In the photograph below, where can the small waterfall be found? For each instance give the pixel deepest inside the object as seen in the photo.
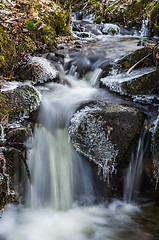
(55, 168)
(135, 171)
(145, 28)
(2, 136)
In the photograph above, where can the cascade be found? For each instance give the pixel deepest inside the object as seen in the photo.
(145, 28)
(2, 137)
(135, 170)
(52, 161)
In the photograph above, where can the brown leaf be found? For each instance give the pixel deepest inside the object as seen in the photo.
(36, 64)
(4, 120)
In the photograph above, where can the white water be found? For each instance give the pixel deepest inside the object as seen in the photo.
(135, 172)
(145, 28)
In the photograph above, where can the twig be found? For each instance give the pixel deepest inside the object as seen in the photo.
(136, 64)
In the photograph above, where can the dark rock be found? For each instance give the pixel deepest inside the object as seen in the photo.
(146, 84)
(12, 177)
(129, 60)
(106, 67)
(79, 15)
(83, 34)
(19, 135)
(87, 63)
(106, 134)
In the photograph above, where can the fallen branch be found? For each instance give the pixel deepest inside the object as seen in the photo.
(136, 64)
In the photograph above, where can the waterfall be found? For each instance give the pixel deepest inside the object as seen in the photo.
(145, 28)
(135, 170)
(54, 166)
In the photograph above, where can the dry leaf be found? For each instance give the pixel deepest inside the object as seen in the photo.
(4, 120)
(36, 64)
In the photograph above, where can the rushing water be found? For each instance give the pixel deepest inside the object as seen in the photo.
(60, 202)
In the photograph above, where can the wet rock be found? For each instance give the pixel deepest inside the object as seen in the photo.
(22, 100)
(84, 64)
(38, 70)
(83, 34)
(18, 135)
(106, 67)
(129, 60)
(12, 175)
(146, 84)
(152, 168)
(106, 134)
(109, 28)
(79, 15)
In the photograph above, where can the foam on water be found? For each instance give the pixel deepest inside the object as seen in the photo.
(79, 223)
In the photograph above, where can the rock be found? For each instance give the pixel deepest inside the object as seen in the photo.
(12, 176)
(146, 84)
(38, 70)
(21, 101)
(83, 34)
(84, 64)
(129, 60)
(152, 168)
(106, 67)
(79, 15)
(106, 134)
(18, 135)
(109, 28)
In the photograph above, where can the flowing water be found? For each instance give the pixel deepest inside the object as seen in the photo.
(61, 201)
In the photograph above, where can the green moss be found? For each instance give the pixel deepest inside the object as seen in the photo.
(154, 18)
(97, 20)
(31, 25)
(4, 107)
(6, 51)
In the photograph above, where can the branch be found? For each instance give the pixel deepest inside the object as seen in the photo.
(136, 64)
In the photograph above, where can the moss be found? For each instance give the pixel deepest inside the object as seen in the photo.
(154, 18)
(6, 51)
(97, 20)
(4, 107)
(146, 84)
(129, 60)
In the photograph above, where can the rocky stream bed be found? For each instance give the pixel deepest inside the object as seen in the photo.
(79, 127)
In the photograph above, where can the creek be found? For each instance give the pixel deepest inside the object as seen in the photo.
(62, 203)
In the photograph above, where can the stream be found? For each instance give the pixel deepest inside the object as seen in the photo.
(62, 203)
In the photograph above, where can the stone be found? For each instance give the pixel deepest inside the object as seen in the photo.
(21, 101)
(106, 134)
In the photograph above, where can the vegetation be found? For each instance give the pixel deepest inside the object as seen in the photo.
(36, 30)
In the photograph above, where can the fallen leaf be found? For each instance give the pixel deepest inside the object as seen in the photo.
(4, 120)
(36, 64)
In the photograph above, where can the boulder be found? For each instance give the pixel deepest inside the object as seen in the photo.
(38, 70)
(106, 134)
(129, 60)
(109, 28)
(21, 101)
(146, 84)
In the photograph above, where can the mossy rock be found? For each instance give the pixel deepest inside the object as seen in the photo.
(6, 51)
(154, 19)
(146, 84)
(129, 60)
(22, 100)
